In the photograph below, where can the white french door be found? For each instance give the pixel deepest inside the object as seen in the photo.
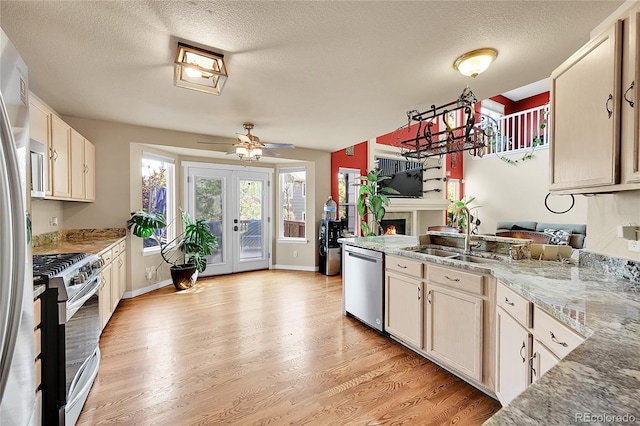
(235, 204)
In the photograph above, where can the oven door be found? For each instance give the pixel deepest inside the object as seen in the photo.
(82, 355)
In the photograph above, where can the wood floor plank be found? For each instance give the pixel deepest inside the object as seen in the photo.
(265, 348)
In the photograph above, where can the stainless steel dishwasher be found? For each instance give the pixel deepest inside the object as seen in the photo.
(363, 285)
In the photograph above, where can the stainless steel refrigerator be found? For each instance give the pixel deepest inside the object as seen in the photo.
(17, 348)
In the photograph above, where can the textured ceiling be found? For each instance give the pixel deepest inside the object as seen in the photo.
(321, 75)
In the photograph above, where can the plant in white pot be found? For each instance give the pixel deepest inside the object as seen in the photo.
(190, 247)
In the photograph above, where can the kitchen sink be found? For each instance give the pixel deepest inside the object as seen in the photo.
(473, 259)
(437, 252)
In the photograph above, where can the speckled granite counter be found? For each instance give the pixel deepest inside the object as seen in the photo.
(600, 377)
(90, 241)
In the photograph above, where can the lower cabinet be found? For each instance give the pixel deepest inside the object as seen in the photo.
(454, 329)
(104, 295)
(526, 352)
(541, 361)
(113, 280)
(444, 317)
(513, 348)
(404, 308)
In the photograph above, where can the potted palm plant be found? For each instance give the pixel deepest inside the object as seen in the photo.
(190, 247)
(371, 197)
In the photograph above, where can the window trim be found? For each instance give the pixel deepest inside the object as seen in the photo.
(281, 237)
(171, 197)
(357, 172)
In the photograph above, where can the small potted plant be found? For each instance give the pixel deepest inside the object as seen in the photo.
(191, 246)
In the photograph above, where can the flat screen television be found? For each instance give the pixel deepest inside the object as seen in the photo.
(408, 183)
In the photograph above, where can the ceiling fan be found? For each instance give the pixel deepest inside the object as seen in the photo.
(250, 148)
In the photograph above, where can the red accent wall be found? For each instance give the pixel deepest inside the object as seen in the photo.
(531, 102)
(340, 159)
(509, 105)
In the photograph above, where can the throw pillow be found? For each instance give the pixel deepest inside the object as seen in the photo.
(558, 236)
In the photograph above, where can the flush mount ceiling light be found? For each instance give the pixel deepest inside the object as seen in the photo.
(475, 62)
(199, 69)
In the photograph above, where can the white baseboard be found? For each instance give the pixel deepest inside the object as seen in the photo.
(147, 289)
(296, 268)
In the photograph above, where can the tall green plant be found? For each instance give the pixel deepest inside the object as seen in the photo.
(372, 198)
(462, 220)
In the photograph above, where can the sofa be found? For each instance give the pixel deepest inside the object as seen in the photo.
(535, 231)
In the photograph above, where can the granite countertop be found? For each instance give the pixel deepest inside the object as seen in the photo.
(90, 241)
(600, 377)
(38, 290)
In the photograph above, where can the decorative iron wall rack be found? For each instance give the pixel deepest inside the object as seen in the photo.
(429, 143)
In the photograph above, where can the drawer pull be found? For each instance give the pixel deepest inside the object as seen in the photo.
(606, 105)
(523, 347)
(625, 94)
(452, 279)
(553, 337)
(419, 293)
(402, 266)
(506, 300)
(429, 296)
(533, 370)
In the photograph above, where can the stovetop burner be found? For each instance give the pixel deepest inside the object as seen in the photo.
(49, 265)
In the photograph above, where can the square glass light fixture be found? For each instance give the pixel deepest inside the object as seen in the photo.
(199, 69)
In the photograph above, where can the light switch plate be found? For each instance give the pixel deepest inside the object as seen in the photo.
(634, 245)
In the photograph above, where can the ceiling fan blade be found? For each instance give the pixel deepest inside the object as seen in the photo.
(244, 138)
(269, 153)
(233, 151)
(278, 145)
(214, 143)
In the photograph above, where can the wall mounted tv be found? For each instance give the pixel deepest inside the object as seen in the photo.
(408, 183)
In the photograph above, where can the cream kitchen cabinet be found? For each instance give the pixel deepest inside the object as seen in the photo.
(513, 340)
(104, 294)
(70, 171)
(82, 168)
(403, 300)
(630, 130)
(59, 159)
(529, 343)
(454, 319)
(113, 279)
(595, 122)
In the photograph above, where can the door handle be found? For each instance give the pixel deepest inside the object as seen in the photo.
(235, 228)
(627, 91)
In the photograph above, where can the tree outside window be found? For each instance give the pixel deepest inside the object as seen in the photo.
(293, 203)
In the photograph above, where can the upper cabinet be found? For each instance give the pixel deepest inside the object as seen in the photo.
(70, 174)
(82, 168)
(630, 130)
(594, 120)
(59, 164)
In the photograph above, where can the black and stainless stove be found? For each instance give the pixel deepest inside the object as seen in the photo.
(70, 332)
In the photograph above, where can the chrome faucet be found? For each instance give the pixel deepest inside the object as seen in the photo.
(467, 236)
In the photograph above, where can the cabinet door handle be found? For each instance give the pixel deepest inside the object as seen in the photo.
(553, 337)
(452, 279)
(506, 300)
(533, 370)
(606, 105)
(50, 153)
(55, 155)
(419, 293)
(429, 296)
(625, 94)
(523, 347)
(402, 266)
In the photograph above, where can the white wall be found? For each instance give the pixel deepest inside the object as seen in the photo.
(508, 192)
(606, 212)
(42, 211)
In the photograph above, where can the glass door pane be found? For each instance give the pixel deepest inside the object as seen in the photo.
(209, 205)
(251, 213)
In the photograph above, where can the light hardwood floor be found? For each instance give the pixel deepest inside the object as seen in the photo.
(265, 347)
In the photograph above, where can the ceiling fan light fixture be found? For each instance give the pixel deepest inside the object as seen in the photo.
(199, 69)
(475, 62)
(242, 152)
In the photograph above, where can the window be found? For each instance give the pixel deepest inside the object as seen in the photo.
(293, 185)
(158, 193)
(348, 198)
